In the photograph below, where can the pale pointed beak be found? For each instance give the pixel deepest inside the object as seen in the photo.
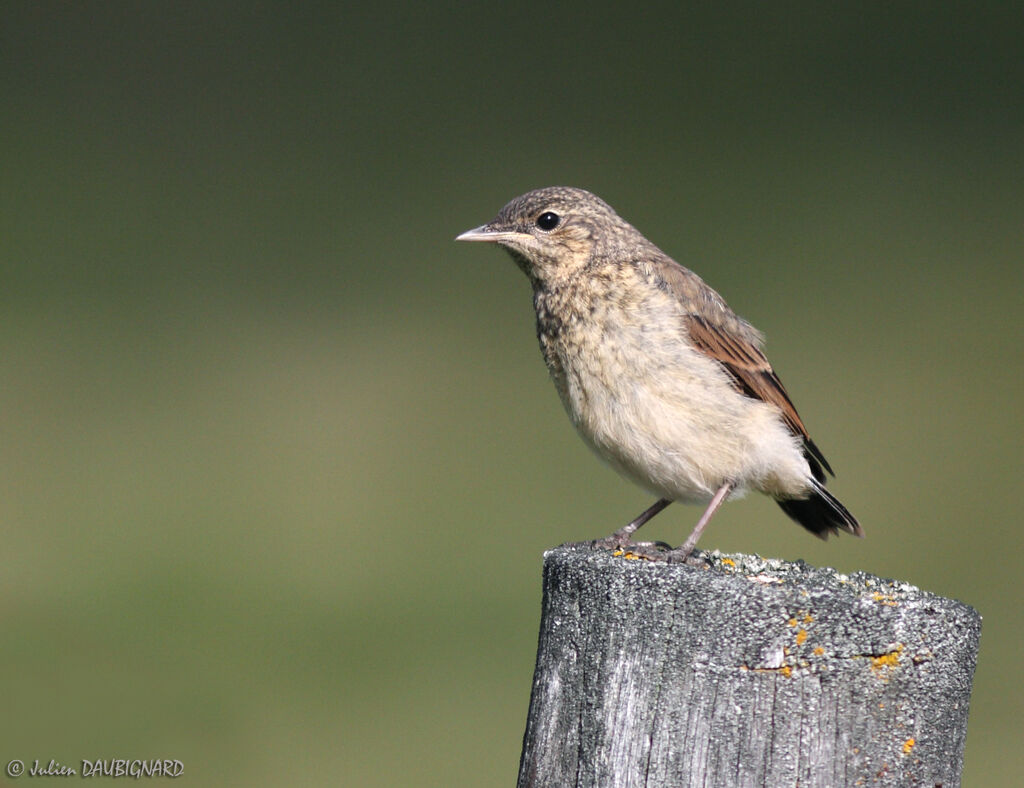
(485, 233)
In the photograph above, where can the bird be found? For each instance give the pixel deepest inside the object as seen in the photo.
(657, 373)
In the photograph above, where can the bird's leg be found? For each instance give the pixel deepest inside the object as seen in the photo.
(620, 538)
(682, 552)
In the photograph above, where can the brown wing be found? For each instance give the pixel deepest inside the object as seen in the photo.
(746, 364)
(749, 369)
(717, 332)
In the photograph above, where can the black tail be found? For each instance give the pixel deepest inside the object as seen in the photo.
(821, 513)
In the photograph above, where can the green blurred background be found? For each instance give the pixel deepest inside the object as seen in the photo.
(279, 459)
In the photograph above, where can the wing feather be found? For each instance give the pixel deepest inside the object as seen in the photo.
(720, 334)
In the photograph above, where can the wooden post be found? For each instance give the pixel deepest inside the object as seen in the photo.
(747, 672)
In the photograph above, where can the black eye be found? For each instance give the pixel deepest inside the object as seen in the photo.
(548, 220)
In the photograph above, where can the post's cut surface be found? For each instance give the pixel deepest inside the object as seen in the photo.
(747, 672)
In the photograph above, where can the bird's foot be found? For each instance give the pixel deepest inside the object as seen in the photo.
(617, 540)
(662, 553)
(684, 555)
(620, 540)
(646, 551)
(621, 545)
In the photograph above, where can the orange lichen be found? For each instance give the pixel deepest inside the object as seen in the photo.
(908, 745)
(801, 637)
(884, 599)
(819, 651)
(888, 660)
(792, 622)
(808, 618)
(729, 562)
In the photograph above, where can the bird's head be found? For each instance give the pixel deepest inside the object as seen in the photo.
(553, 233)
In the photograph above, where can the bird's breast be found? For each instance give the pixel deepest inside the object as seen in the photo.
(647, 401)
(607, 343)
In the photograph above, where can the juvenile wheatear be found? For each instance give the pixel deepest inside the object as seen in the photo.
(661, 378)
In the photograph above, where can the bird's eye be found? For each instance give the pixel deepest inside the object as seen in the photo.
(548, 220)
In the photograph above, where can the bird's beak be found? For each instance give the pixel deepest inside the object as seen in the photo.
(486, 233)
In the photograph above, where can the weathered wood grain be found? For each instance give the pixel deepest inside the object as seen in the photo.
(746, 672)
